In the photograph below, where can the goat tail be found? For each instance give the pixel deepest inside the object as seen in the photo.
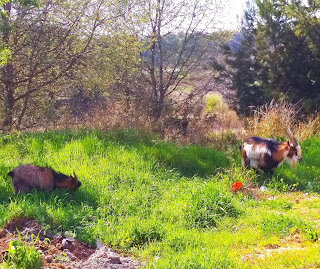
(10, 174)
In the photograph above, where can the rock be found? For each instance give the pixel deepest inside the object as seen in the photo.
(70, 255)
(99, 244)
(263, 188)
(66, 241)
(49, 258)
(114, 259)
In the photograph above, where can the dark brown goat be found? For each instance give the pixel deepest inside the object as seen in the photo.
(27, 177)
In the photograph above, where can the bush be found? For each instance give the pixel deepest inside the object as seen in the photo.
(214, 103)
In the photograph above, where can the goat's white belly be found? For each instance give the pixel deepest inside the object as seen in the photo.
(255, 154)
(254, 163)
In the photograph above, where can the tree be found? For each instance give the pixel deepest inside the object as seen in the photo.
(306, 26)
(114, 66)
(185, 23)
(48, 42)
(292, 67)
(273, 61)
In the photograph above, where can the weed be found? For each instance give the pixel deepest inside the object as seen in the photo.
(21, 255)
(271, 120)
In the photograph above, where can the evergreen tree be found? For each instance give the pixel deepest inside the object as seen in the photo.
(278, 55)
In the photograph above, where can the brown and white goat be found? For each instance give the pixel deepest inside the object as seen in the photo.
(268, 154)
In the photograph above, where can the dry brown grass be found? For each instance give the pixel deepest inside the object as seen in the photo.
(221, 128)
(309, 127)
(117, 116)
(272, 120)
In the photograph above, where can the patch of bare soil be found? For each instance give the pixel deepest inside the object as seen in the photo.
(254, 191)
(60, 251)
(288, 244)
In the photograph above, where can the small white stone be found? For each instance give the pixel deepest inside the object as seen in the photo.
(99, 244)
(263, 188)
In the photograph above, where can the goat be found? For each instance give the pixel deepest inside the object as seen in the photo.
(268, 154)
(27, 177)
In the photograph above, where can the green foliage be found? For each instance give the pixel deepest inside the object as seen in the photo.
(281, 225)
(277, 55)
(214, 103)
(27, 3)
(278, 204)
(21, 255)
(5, 55)
(199, 259)
(190, 160)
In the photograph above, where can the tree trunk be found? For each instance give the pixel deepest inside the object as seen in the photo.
(158, 88)
(7, 72)
(7, 75)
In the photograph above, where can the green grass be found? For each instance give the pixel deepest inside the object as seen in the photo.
(21, 255)
(168, 205)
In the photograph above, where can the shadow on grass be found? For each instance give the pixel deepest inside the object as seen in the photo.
(303, 178)
(65, 212)
(187, 160)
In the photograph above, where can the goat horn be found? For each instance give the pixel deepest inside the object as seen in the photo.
(292, 139)
(74, 174)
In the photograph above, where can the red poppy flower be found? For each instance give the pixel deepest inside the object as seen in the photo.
(236, 186)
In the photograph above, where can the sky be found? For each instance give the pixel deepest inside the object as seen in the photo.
(231, 16)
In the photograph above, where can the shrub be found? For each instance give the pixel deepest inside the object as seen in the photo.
(214, 103)
(272, 120)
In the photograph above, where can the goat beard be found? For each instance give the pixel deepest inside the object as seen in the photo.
(293, 163)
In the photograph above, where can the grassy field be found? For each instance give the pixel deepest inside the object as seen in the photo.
(168, 205)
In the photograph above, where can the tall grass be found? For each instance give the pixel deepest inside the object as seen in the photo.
(169, 205)
(272, 120)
